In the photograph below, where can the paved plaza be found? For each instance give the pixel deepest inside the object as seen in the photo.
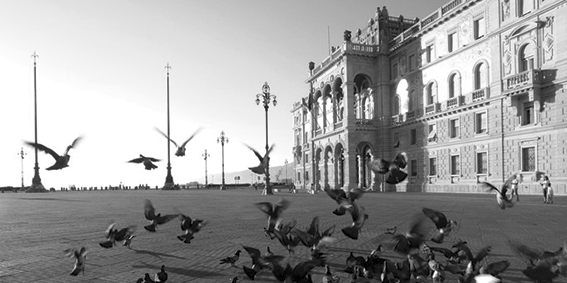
(37, 228)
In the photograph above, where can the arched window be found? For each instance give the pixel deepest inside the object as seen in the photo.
(454, 85)
(481, 76)
(431, 92)
(526, 58)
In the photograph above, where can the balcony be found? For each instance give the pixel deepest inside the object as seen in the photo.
(432, 108)
(456, 101)
(363, 122)
(480, 94)
(527, 80)
(410, 115)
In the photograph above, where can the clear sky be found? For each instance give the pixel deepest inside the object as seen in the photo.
(101, 75)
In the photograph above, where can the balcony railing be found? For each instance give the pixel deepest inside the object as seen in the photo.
(410, 114)
(480, 94)
(318, 132)
(432, 108)
(363, 122)
(522, 79)
(455, 101)
(338, 124)
(450, 6)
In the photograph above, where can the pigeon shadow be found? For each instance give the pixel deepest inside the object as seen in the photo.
(156, 254)
(181, 271)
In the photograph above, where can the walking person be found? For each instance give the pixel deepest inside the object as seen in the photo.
(514, 188)
(545, 184)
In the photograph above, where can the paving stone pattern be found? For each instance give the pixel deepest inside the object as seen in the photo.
(37, 228)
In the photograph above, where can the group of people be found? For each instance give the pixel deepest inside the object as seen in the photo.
(545, 185)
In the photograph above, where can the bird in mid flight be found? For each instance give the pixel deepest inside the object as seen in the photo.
(180, 148)
(61, 161)
(147, 161)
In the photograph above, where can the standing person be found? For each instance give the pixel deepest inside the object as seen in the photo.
(549, 194)
(514, 188)
(545, 184)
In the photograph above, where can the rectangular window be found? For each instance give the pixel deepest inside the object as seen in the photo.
(429, 53)
(307, 176)
(432, 130)
(479, 28)
(528, 114)
(455, 165)
(432, 166)
(397, 138)
(525, 7)
(454, 128)
(528, 159)
(412, 62)
(413, 136)
(480, 123)
(481, 163)
(452, 42)
(413, 167)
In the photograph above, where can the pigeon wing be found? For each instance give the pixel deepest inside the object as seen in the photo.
(137, 160)
(437, 217)
(44, 149)
(172, 141)
(191, 137)
(508, 182)
(149, 210)
(379, 165)
(489, 187)
(258, 155)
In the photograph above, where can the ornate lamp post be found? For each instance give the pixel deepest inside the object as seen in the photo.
(206, 155)
(168, 179)
(36, 186)
(22, 153)
(266, 97)
(222, 139)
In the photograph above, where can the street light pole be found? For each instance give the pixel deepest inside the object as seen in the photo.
(222, 139)
(206, 155)
(21, 154)
(36, 186)
(266, 98)
(285, 171)
(168, 179)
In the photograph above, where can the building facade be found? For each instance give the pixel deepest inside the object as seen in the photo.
(474, 92)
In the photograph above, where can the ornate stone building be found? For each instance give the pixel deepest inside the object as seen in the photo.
(474, 92)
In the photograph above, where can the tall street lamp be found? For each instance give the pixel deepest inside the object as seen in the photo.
(21, 154)
(222, 139)
(285, 171)
(168, 179)
(266, 97)
(206, 155)
(36, 186)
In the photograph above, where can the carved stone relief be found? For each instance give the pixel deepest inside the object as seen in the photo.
(548, 40)
(505, 9)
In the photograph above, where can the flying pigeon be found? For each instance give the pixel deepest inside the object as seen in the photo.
(392, 170)
(501, 197)
(231, 259)
(147, 161)
(190, 227)
(155, 219)
(80, 256)
(412, 240)
(344, 199)
(61, 161)
(180, 149)
(274, 213)
(261, 168)
(444, 226)
(115, 235)
(358, 218)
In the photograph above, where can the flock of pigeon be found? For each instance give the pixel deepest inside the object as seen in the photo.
(62, 161)
(422, 260)
(125, 235)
